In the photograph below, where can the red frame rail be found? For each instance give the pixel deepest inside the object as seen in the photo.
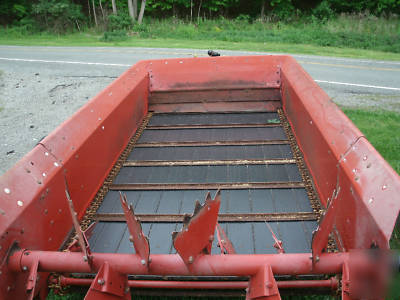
(359, 189)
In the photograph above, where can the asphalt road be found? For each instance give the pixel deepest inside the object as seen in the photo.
(42, 86)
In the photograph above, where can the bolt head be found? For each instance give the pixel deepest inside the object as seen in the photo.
(100, 281)
(24, 268)
(143, 262)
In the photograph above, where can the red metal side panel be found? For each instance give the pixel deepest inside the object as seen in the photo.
(341, 161)
(235, 72)
(84, 148)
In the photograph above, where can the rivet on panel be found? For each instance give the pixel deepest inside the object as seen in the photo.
(52, 222)
(143, 262)
(56, 164)
(60, 211)
(99, 119)
(7, 190)
(91, 110)
(20, 203)
(102, 127)
(46, 153)
(365, 157)
(45, 211)
(44, 174)
(371, 200)
(384, 187)
(311, 122)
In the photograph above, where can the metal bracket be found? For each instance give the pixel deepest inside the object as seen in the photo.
(263, 286)
(137, 237)
(225, 244)
(75, 245)
(346, 282)
(83, 242)
(108, 285)
(33, 278)
(320, 236)
(198, 230)
(278, 245)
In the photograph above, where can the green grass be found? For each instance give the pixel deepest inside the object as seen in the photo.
(346, 36)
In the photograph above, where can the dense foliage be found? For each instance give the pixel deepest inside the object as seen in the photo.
(46, 13)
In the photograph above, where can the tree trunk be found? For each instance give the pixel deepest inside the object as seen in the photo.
(94, 14)
(102, 11)
(135, 9)
(191, 11)
(198, 12)
(142, 6)
(89, 10)
(262, 15)
(130, 9)
(114, 7)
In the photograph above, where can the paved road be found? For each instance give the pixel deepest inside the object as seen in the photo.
(42, 86)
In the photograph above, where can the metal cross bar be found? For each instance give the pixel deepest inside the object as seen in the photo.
(206, 186)
(249, 217)
(234, 162)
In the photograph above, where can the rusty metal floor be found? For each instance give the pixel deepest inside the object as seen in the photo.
(179, 157)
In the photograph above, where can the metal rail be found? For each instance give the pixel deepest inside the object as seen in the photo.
(233, 162)
(175, 218)
(206, 186)
(211, 126)
(219, 143)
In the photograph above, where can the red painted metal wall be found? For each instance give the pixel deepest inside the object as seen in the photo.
(345, 167)
(81, 151)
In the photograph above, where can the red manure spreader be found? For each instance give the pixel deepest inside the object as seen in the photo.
(205, 176)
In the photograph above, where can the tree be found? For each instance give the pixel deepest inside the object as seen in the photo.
(114, 7)
(142, 6)
(130, 10)
(135, 9)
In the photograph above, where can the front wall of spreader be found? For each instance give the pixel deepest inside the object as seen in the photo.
(80, 152)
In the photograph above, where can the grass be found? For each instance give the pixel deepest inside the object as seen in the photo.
(346, 36)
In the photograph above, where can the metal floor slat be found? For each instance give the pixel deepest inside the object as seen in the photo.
(212, 135)
(262, 200)
(208, 174)
(247, 236)
(212, 152)
(213, 119)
